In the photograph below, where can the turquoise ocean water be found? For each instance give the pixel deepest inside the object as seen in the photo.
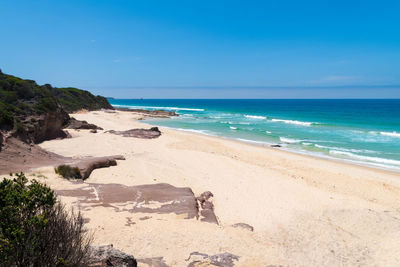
(364, 132)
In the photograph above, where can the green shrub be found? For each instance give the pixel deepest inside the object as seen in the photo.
(6, 117)
(36, 230)
(67, 171)
(19, 98)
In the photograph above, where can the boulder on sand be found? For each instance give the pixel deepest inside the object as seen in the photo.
(206, 208)
(103, 256)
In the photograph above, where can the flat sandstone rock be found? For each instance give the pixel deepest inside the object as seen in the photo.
(152, 198)
(151, 133)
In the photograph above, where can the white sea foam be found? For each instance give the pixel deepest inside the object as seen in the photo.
(232, 128)
(191, 130)
(303, 123)
(268, 132)
(255, 117)
(166, 108)
(289, 140)
(365, 158)
(251, 141)
(345, 149)
(392, 134)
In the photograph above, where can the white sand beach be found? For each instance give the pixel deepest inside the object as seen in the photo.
(305, 211)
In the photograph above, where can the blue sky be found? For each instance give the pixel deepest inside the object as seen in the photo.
(191, 49)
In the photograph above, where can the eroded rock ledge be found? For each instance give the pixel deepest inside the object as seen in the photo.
(151, 133)
(153, 198)
(86, 166)
(77, 124)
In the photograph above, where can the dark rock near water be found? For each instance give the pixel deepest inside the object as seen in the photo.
(151, 113)
(93, 131)
(276, 146)
(243, 226)
(77, 124)
(104, 256)
(151, 133)
(221, 260)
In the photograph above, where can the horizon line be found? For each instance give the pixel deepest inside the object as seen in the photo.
(248, 87)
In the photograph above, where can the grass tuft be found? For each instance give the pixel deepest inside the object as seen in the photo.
(68, 172)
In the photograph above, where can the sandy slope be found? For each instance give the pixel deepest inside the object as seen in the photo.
(305, 211)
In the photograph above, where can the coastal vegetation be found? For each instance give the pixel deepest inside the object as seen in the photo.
(68, 172)
(36, 230)
(35, 113)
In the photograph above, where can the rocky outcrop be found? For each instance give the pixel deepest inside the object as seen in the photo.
(35, 113)
(84, 167)
(151, 133)
(206, 208)
(151, 113)
(104, 256)
(276, 146)
(77, 124)
(39, 128)
(221, 260)
(149, 198)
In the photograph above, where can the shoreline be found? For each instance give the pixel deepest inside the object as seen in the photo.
(300, 208)
(282, 148)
